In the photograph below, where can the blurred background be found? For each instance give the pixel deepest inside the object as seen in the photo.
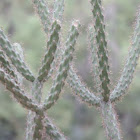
(75, 119)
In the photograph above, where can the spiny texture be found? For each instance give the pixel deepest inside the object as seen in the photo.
(52, 130)
(19, 94)
(44, 13)
(95, 61)
(6, 65)
(110, 121)
(128, 71)
(58, 9)
(101, 48)
(48, 59)
(39, 126)
(18, 49)
(80, 89)
(37, 90)
(58, 15)
(51, 48)
(32, 117)
(64, 67)
(14, 57)
(72, 79)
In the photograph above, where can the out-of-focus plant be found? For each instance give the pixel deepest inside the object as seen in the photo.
(13, 67)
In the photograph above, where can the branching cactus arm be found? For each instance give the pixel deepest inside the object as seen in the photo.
(19, 94)
(131, 63)
(50, 53)
(58, 83)
(57, 15)
(38, 123)
(81, 90)
(102, 51)
(72, 78)
(64, 67)
(32, 118)
(14, 57)
(32, 131)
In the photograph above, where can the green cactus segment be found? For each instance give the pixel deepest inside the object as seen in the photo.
(131, 63)
(36, 91)
(81, 90)
(110, 121)
(14, 57)
(58, 9)
(44, 14)
(63, 68)
(5, 64)
(19, 94)
(43, 74)
(52, 131)
(95, 60)
(51, 49)
(38, 130)
(32, 129)
(55, 62)
(30, 125)
(37, 120)
(102, 52)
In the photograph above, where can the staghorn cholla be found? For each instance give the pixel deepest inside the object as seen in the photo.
(39, 126)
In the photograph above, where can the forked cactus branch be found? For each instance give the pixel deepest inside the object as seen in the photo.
(8, 48)
(39, 126)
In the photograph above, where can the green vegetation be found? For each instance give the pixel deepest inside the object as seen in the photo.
(74, 119)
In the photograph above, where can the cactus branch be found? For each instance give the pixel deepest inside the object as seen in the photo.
(32, 129)
(42, 10)
(39, 127)
(19, 94)
(102, 52)
(81, 90)
(128, 71)
(5, 64)
(95, 60)
(52, 131)
(14, 57)
(110, 121)
(58, 9)
(51, 49)
(63, 68)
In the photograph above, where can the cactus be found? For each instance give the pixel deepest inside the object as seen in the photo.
(13, 66)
